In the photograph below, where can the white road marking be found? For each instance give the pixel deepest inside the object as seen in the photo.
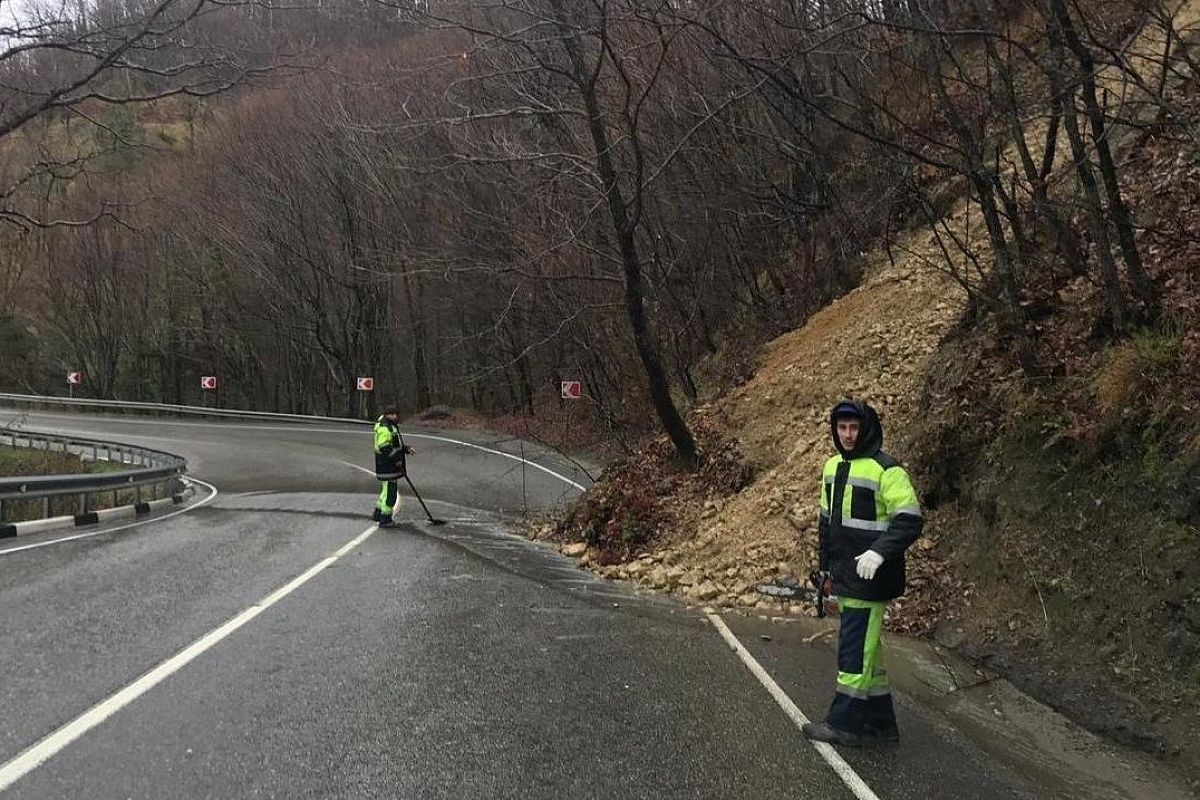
(500, 453)
(844, 771)
(309, 429)
(203, 502)
(48, 747)
(546, 470)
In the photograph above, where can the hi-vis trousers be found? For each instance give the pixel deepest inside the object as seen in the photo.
(863, 702)
(389, 498)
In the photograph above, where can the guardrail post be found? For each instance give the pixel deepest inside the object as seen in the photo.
(148, 473)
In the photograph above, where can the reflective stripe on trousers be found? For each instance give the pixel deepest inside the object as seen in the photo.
(863, 701)
(389, 497)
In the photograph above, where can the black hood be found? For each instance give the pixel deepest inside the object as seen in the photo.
(870, 436)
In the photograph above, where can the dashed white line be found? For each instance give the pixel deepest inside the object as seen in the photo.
(844, 771)
(48, 747)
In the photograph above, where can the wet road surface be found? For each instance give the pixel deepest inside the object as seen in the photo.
(270, 642)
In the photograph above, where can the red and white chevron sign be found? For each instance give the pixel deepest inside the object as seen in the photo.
(208, 383)
(572, 390)
(366, 384)
(74, 378)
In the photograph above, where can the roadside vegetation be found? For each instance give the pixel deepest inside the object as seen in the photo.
(17, 462)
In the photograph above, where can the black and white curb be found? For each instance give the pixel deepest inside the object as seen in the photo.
(11, 529)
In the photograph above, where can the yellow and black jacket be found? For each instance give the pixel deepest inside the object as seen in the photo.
(389, 451)
(867, 503)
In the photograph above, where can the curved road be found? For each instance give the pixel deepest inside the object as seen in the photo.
(270, 642)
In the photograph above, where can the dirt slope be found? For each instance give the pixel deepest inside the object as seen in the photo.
(874, 343)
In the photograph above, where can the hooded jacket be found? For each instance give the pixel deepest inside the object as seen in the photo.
(867, 503)
(389, 451)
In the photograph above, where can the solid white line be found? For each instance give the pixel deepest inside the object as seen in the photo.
(477, 447)
(39, 753)
(546, 470)
(844, 771)
(308, 429)
(205, 501)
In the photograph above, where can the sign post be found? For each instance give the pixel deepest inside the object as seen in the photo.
(208, 383)
(73, 379)
(365, 385)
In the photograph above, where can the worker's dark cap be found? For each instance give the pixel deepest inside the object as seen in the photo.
(847, 409)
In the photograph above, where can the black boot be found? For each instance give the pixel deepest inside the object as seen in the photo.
(824, 732)
(375, 514)
(386, 521)
(885, 733)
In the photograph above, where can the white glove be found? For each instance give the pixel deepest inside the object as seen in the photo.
(868, 563)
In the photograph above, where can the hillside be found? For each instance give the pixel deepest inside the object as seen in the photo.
(1063, 544)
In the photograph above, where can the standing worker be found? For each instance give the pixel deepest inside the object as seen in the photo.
(390, 451)
(869, 516)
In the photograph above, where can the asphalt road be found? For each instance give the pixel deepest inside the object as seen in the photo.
(269, 642)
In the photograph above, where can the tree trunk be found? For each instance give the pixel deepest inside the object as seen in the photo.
(1117, 209)
(417, 332)
(1095, 215)
(618, 208)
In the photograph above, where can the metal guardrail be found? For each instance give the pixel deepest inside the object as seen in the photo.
(169, 408)
(149, 470)
(148, 467)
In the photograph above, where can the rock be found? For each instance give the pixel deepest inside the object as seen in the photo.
(706, 590)
(574, 549)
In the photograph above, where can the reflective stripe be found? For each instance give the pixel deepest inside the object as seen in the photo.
(913, 510)
(863, 483)
(859, 694)
(864, 525)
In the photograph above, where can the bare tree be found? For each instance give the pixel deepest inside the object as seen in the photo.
(63, 64)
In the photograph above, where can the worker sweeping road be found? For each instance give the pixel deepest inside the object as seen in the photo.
(390, 465)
